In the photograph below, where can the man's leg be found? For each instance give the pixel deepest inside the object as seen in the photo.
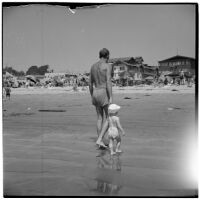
(99, 119)
(104, 127)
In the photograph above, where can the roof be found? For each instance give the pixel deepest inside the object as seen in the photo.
(113, 60)
(150, 67)
(176, 58)
(126, 59)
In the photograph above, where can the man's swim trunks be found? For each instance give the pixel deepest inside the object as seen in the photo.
(100, 97)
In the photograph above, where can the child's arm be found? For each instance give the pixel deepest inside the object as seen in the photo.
(119, 126)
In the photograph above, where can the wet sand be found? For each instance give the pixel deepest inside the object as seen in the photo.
(54, 153)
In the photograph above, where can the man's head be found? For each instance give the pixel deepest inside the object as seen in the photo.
(104, 53)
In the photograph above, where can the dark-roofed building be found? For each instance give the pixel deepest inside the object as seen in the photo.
(177, 63)
(127, 60)
(150, 71)
(126, 65)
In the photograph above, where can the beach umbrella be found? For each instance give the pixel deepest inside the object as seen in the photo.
(172, 74)
(188, 75)
(165, 73)
(31, 78)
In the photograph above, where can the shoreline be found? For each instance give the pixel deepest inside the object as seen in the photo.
(116, 90)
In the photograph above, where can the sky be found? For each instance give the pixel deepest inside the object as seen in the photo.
(67, 42)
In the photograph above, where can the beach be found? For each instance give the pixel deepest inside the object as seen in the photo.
(49, 143)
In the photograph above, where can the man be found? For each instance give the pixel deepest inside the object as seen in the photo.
(100, 77)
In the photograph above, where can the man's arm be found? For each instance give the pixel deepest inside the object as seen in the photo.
(109, 83)
(91, 83)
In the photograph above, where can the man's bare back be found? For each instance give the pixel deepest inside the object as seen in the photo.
(98, 74)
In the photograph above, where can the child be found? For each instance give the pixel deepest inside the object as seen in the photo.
(114, 128)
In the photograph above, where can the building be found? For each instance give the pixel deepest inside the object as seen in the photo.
(132, 67)
(152, 71)
(126, 66)
(177, 63)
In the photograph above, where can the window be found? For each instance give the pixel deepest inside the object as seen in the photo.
(122, 68)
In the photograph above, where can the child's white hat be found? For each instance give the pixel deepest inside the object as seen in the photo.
(113, 108)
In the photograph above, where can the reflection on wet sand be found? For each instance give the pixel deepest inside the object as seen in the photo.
(109, 172)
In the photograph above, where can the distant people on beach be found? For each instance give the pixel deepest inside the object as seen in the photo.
(100, 87)
(189, 77)
(115, 129)
(7, 91)
(75, 85)
(182, 78)
(166, 81)
(4, 94)
(173, 80)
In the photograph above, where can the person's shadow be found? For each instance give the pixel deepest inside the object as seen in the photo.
(108, 177)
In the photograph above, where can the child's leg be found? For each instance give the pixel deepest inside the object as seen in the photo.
(118, 145)
(111, 146)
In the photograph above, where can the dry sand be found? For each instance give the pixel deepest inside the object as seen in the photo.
(54, 153)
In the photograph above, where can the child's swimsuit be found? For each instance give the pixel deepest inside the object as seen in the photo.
(112, 131)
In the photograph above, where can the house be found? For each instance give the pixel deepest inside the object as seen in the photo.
(177, 63)
(130, 65)
(147, 71)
